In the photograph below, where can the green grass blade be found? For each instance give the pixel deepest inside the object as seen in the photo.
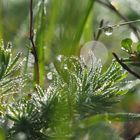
(83, 23)
(40, 40)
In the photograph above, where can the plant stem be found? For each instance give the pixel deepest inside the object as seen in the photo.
(121, 24)
(96, 37)
(36, 64)
(125, 66)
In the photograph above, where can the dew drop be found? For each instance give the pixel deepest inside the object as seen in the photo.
(65, 66)
(59, 58)
(123, 49)
(108, 30)
(49, 76)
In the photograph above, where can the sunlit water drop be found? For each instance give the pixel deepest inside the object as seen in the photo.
(98, 51)
(50, 76)
(108, 30)
(65, 66)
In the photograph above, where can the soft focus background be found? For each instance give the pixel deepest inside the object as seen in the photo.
(67, 29)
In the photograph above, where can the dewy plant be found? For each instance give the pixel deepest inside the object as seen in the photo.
(60, 97)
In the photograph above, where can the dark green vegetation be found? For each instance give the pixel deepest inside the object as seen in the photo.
(49, 92)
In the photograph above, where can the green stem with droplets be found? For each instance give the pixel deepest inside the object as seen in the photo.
(120, 24)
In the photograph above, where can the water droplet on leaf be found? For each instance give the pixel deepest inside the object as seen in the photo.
(108, 30)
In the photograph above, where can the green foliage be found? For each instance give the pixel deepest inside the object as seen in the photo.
(127, 45)
(2, 134)
(66, 25)
(75, 92)
(40, 39)
(134, 54)
(10, 78)
(113, 117)
(90, 85)
(77, 101)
